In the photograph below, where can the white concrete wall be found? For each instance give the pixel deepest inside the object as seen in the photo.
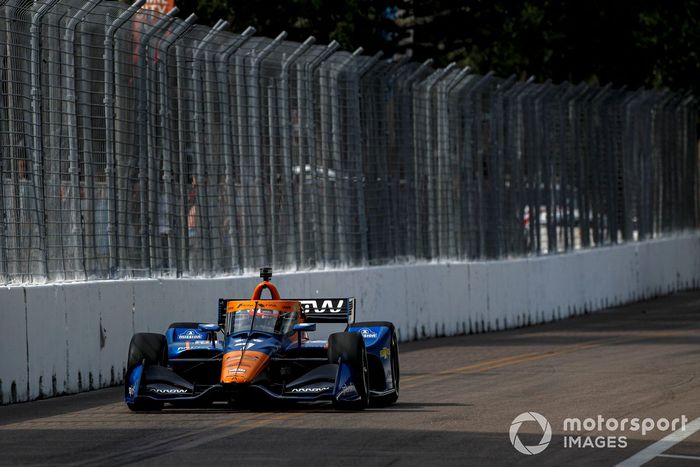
(73, 337)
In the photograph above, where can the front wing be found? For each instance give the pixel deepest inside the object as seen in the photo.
(156, 383)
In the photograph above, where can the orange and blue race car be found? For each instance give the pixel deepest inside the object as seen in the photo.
(260, 353)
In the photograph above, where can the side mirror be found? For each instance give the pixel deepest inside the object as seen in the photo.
(211, 330)
(304, 327)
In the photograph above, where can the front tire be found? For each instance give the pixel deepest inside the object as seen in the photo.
(389, 399)
(150, 349)
(145, 406)
(349, 348)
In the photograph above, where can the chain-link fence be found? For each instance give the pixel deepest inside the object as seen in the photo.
(139, 144)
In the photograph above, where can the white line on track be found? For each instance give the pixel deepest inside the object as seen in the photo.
(679, 456)
(661, 446)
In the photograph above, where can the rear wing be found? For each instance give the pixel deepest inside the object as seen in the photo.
(315, 310)
(328, 310)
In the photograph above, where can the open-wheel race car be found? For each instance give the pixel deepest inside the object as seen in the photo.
(259, 352)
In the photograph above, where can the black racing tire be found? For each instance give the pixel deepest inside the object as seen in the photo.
(148, 346)
(389, 399)
(145, 406)
(152, 349)
(349, 347)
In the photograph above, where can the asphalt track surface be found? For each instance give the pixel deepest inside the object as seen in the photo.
(459, 396)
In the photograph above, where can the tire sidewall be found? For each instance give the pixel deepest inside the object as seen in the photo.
(350, 349)
(151, 349)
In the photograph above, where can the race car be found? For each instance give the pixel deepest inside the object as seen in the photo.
(260, 352)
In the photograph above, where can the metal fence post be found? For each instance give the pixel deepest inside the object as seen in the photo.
(37, 136)
(362, 70)
(14, 141)
(411, 86)
(181, 79)
(236, 260)
(165, 112)
(146, 181)
(87, 136)
(307, 141)
(446, 237)
(71, 117)
(320, 164)
(4, 266)
(261, 231)
(342, 209)
(512, 159)
(241, 138)
(110, 168)
(432, 159)
(330, 172)
(198, 117)
(292, 258)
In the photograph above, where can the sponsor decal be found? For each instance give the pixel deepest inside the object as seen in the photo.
(237, 371)
(326, 306)
(131, 391)
(246, 345)
(195, 345)
(314, 344)
(546, 433)
(191, 334)
(368, 333)
(307, 390)
(168, 390)
(347, 388)
(385, 353)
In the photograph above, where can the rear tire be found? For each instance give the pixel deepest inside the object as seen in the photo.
(151, 349)
(349, 348)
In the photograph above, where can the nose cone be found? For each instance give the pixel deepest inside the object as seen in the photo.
(242, 366)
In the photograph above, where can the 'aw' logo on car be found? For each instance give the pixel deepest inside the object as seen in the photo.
(331, 306)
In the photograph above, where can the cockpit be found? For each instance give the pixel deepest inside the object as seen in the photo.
(262, 320)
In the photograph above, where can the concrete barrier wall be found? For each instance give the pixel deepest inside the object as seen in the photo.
(66, 338)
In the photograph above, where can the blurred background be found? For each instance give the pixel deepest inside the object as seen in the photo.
(644, 43)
